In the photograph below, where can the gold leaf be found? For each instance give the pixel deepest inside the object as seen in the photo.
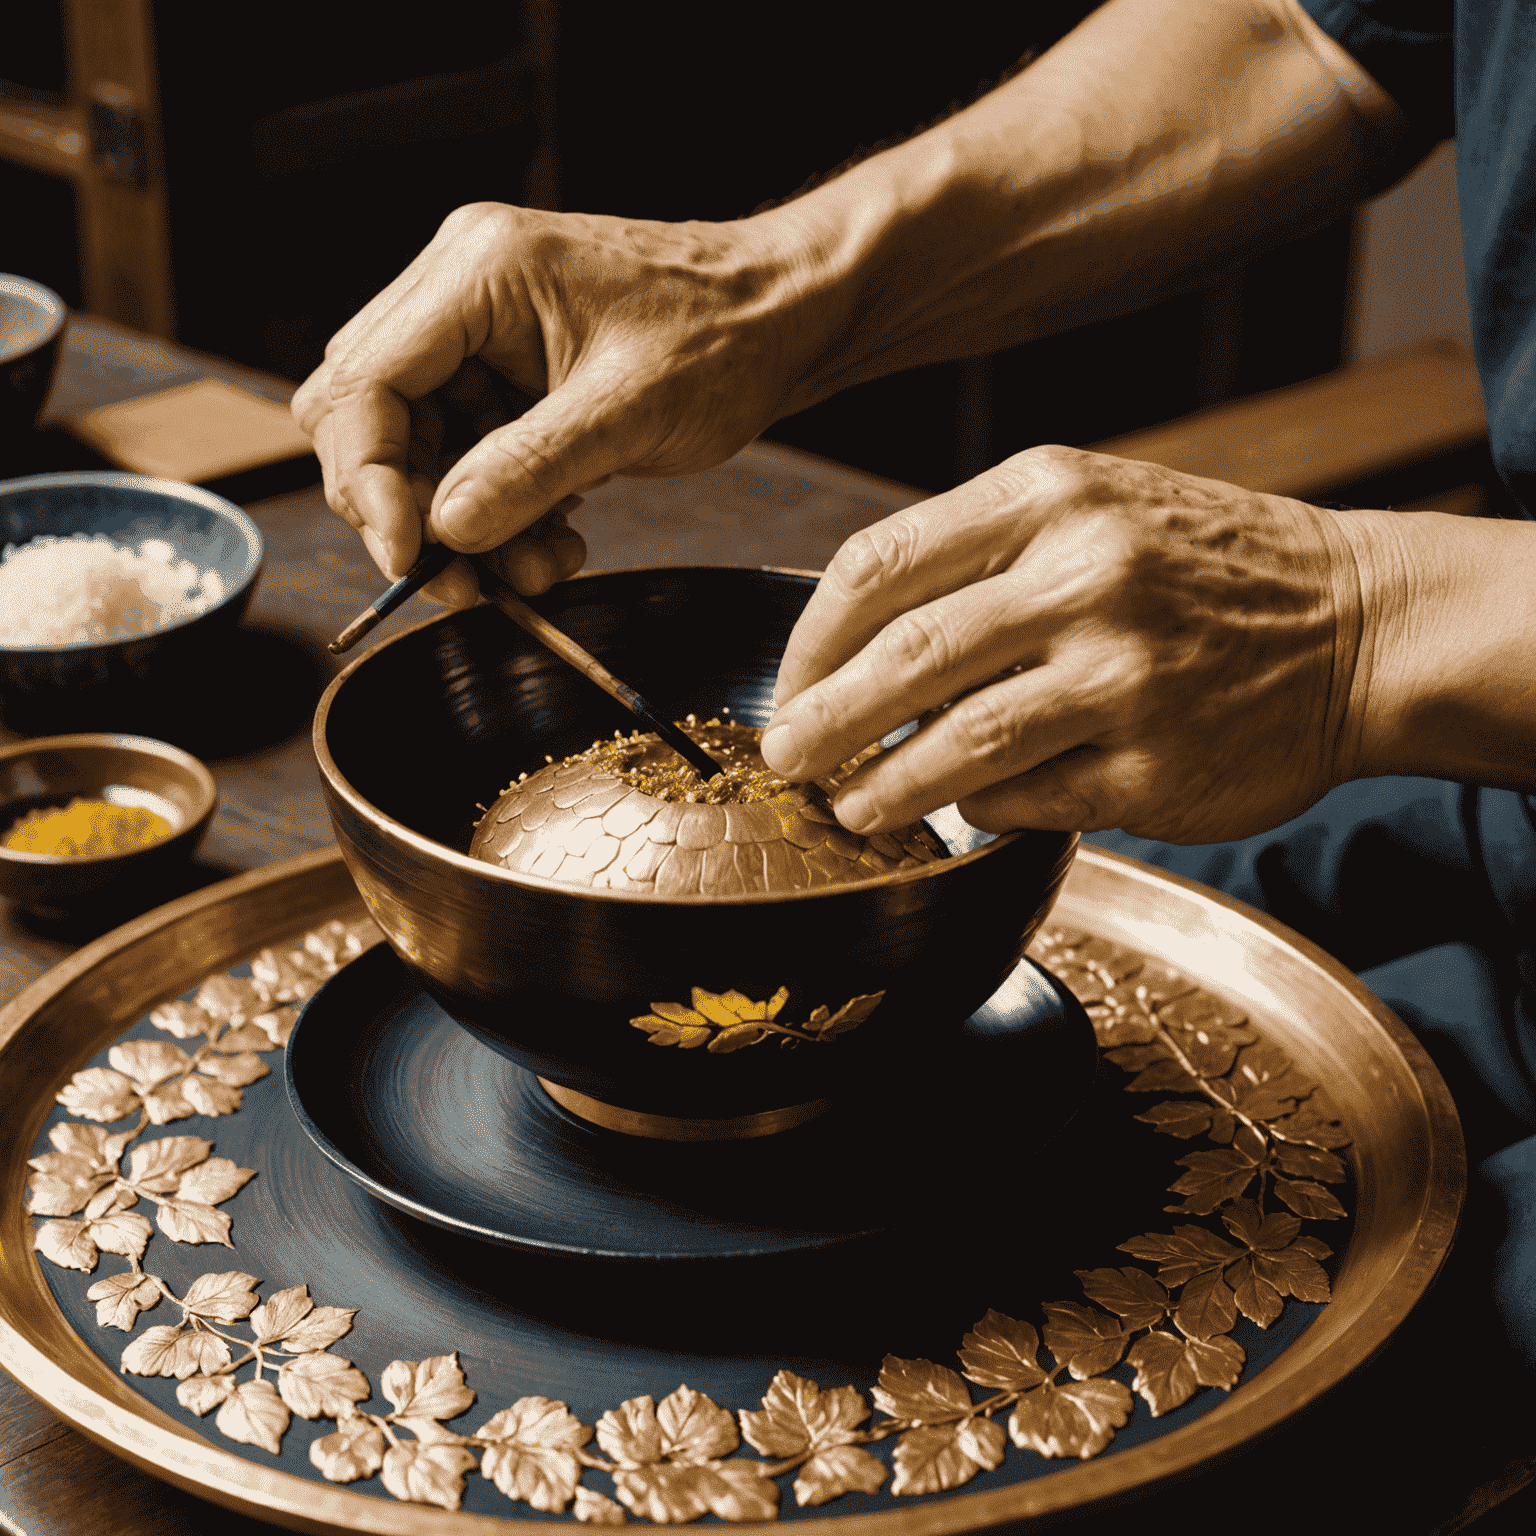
(1132, 1294)
(1132, 1058)
(534, 1458)
(242, 1037)
(1079, 1419)
(148, 1062)
(1207, 1306)
(114, 1197)
(209, 1097)
(1211, 1051)
(200, 1393)
(693, 1428)
(838, 1470)
(721, 1009)
(355, 1450)
(1181, 1254)
(798, 1416)
(1293, 1271)
(321, 1329)
(157, 1166)
(1313, 1246)
(154, 1352)
(320, 1385)
(186, 1221)
(67, 1243)
(850, 1015)
(922, 1392)
(213, 1181)
(99, 1093)
(184, 1020)
(234, 1071)
(275, 1316)
(167, 1104)
(231, 999)
(1159, 1077)
(1308, 1199)
(122, 1232)
(427, 1474)
(594, 1508)
(276, 1025)
(629, 1434)
(1169, 1369)
(933, 1457)
(61, 1184)
(254, 1414)
(676, 1013)
(1249, 1225)
(1179, 1117)
(664, 1032)
(430, 1389)
(428, 1430)
(225, 1297)
(1257, 1299)
(120, 1298)
(1213, 1179)
(1085, 1341)
(1304, 1162)
(1311, 1125)
(734, 1037)
(673, 1493)
(776, 1002)
(95, 1143)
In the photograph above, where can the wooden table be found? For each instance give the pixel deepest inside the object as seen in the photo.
(769, 505)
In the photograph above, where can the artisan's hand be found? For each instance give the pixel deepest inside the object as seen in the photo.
(650, 349)
(1118, 645)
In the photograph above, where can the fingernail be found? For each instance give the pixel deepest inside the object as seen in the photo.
(462, 520)
(780, 750)
(856, 811)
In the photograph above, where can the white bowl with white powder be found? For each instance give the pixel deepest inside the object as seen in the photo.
(113, 583)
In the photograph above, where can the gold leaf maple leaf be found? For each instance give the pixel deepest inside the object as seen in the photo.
(798, 1417)
(935, 1457)
(427, 1474)
(355, 1450)
(1078, 1419)
(533, 1456)
(1169, 1368)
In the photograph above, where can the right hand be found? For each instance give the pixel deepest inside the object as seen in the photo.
(650, 349)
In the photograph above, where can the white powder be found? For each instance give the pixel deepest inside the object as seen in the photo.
(63, 591)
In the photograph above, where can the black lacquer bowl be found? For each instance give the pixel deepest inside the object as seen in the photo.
(422, 728)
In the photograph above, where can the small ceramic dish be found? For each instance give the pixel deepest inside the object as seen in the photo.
(121, 770)
(32, 321)
(115, 683)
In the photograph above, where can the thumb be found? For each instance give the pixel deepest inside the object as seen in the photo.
(574, 438)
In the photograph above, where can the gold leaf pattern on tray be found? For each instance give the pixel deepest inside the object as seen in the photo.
(1274, 1138)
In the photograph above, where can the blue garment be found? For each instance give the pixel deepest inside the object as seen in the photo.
(1468, 68)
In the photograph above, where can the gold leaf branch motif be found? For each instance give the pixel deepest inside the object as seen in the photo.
(1273, 1132)
(726, 1021)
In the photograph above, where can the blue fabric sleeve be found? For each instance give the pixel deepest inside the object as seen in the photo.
(1406, 47)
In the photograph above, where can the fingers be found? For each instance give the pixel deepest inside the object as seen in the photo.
(532, 562)
(906, 560)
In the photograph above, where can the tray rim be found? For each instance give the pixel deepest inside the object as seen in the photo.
(83, 1390)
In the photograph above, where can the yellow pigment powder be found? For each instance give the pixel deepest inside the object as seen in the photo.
(87, 829)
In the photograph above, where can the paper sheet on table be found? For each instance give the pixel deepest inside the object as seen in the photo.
(196, 432)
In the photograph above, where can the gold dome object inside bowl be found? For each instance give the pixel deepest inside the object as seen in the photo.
(694, 1006)
(624, 815)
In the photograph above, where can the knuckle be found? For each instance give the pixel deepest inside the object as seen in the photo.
(986, 731)
(873, 556)
(918, 642)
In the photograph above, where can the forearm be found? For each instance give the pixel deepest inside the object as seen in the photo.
(1159, 141)
(1445, 682)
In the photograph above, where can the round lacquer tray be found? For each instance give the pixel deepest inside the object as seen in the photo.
(1035, 1335)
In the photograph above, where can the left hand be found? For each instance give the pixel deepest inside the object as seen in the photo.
(1090, 642)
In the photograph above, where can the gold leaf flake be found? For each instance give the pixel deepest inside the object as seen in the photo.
(213, 1181)
(99, 1093)
(1087, 1342)
(1169, 1369)
(122, 1232)
(200, 1393)
(932, 1458)
(427, 1474)
(210, 1097)
(1079, 1419)
(919, 1391)
(67, 1243)
(838, 1470)
(121, 1297)
(157, 1166)
(148, 1062)
(428, 1389)
(235, 1071)
(1309, 1199)
(184, 1020)
(355, 1450)
(594, 1508)
(1001, 1352)
(188, 1221)
(318, 1384)
(534, 1457)
(225, 1297)
(798, 1416)
(1132, 1294)
(254, 1414)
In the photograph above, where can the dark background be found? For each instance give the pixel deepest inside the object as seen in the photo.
(305, 169)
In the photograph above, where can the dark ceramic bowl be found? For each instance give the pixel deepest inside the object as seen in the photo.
(118, 682)
(417, 731)
(31, 326)
(123, 770)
